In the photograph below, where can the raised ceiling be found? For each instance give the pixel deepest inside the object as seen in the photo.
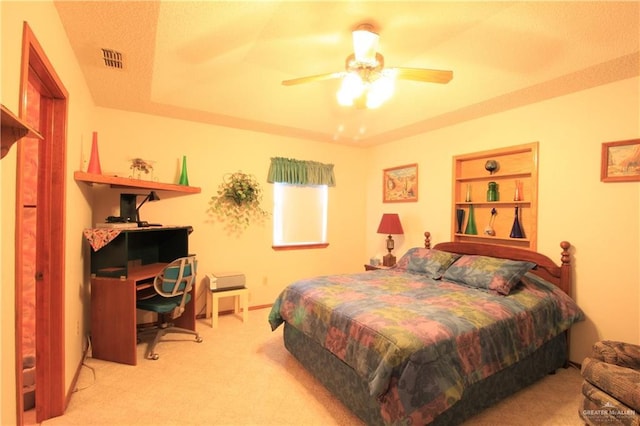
(223, 62)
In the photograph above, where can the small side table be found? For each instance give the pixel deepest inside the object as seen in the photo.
(368, 267)
(241, 301)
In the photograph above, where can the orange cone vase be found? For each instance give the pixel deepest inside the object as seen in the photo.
(94, 160)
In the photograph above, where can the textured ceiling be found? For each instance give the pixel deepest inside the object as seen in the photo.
(223, 62)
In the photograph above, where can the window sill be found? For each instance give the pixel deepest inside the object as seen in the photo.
(300, 246)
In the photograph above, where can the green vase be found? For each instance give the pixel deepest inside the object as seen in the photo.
(492, 192)
(184, 179)
(471, 222)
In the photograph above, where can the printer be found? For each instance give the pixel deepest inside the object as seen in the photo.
(221, 281)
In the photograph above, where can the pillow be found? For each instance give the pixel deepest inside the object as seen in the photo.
(491, 273)
(431, 262)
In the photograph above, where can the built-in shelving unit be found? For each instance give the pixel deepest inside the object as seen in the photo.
(14, 129)
(123, 182)
(470, 177)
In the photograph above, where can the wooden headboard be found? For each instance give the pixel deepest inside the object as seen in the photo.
(546, 268)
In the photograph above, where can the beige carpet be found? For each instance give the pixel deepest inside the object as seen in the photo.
(241, 374)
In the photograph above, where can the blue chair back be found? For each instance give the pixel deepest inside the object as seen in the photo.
(177, 277)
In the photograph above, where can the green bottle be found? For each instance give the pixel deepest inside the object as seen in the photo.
(471, 222)
(184, 179)
(492, 192)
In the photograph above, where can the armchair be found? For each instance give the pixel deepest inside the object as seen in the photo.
(172, 292)
(611, 385)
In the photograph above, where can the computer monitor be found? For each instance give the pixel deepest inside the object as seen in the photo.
(128, 207)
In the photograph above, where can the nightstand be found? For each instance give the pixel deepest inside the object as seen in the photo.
(368, 267)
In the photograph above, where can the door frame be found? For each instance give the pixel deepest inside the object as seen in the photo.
(50, 236)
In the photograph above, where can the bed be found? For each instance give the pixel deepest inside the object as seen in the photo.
(445, 333)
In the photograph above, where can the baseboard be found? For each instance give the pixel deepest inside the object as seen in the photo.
(74, 382)
(230, 311)
(575, 365)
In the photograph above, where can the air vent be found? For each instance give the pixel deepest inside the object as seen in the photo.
(112, 58)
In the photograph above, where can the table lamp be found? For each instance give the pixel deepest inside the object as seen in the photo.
(128, 210)
(390, 224)
(152, 196)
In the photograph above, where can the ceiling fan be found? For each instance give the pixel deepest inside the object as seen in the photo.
(365, 81)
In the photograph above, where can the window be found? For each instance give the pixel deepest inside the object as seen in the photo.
(300, 216)
(300, 194)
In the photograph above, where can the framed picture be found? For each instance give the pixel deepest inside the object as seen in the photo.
(620, 161)
(400, 184)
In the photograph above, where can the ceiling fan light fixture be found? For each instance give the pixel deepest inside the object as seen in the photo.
(366, 93)
(366, 83)
(365, 45)
(351, 88)
(373, 101)
(380, 91)
(344, 99)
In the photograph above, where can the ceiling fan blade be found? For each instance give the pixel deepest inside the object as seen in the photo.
(422, 74)
(312, 78)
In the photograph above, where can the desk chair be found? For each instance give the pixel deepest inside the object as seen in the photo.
(172, 287)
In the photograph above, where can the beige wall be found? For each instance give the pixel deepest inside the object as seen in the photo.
(211, 153)
(599, 219)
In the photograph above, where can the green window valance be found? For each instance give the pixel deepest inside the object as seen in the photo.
(299, 172)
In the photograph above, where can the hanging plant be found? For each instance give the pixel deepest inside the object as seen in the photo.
(237, 201)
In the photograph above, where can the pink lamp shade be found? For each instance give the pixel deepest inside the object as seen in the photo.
(390, 224)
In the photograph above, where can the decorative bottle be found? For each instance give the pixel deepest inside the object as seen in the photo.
(492, 192)
(467, 197)
(94, 160)
(459, 220)
(516, 229)
(517, 195)
(471, 223)
(184, 178)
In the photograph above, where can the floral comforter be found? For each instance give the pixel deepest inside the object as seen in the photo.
(433, 338)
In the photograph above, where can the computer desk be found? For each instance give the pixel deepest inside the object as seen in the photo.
(114, 315)
(114, 289)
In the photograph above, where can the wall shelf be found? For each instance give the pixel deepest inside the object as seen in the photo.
(14, 129)
(122, 182)
(516, 163)
(493, 203)
(524, 243)
(489, 237)
(490, 177)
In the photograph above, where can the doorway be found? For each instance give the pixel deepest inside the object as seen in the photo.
(40, 238)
